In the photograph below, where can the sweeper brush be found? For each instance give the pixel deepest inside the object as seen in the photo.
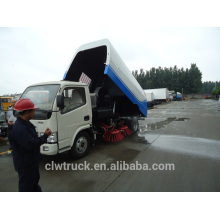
(111, 134)
(125, 130)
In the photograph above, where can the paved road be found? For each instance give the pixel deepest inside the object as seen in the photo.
(182, 134)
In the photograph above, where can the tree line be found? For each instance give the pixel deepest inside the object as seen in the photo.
(209, 87)
(188, 80)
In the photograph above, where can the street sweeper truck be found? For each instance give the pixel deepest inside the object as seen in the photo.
(97, 98)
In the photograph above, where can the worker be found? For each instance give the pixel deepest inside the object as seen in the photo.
(26, 147)
(10, 120)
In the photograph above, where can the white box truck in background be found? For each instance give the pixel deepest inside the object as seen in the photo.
(98, 96)
(160, 95)
(150, 99)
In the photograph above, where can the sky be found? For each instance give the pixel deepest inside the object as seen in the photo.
(38, 41)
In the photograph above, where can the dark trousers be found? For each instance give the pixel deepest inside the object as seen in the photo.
(28, 180)
(9, 133)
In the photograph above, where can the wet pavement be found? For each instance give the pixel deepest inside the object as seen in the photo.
(184, 134)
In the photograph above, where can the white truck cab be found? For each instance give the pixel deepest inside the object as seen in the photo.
(65, 108)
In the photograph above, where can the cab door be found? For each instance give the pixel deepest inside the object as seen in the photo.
(76, 113)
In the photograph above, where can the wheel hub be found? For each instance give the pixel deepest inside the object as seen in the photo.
(81, 145)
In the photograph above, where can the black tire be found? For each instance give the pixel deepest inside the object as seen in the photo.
(133, 124)
(81, 145)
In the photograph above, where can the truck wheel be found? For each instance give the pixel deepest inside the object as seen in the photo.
(81, 145)
(133, 124)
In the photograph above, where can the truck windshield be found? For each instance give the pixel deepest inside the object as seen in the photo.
(43, 98)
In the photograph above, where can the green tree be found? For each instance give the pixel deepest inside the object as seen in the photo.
(208, 86)
(195, 79)
(216, 92)
(172, 78)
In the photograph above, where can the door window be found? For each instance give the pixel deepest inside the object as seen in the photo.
(73, 98)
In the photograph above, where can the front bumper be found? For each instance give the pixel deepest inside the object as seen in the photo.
(49, 149)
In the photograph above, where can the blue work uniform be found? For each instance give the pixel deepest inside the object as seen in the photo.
(26, 154)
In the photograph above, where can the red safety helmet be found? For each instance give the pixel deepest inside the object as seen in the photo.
(24, 104)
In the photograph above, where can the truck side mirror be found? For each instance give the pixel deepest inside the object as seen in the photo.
(60, 101)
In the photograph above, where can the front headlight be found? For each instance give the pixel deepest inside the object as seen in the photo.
(52, 138)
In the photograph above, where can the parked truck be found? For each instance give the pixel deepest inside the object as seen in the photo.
(6, 102)
(179, 96)
(3, 124)
(150, 99)
(172, 95)
(160, 95)
(98, 97)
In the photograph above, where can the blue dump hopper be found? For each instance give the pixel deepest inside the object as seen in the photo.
(99, 65)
